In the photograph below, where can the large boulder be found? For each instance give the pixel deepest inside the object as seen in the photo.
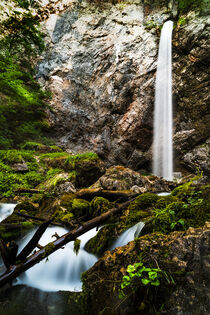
(184, 256)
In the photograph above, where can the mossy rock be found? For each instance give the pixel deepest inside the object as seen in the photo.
(135, 217)
(80, 207)
(143, 201)
(163, 201)
(99, 205)
(102, 241)
(183, 191)
(66, 200)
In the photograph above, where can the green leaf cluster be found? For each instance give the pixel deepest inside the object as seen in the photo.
(139, 275)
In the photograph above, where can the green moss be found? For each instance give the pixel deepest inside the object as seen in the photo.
(102, 241)
(30, 145)
(99, 205)
(27, 225)
(72, 160)
(27, 206)
(68, 217)
(52, 172)
(49, 249)
(163, 201)
(80, 207)
(135, 217)
(143, 201)
(77, 246)
(9, 235)
(66, 200)
(183, 191)
(55, 148)
(53, 155)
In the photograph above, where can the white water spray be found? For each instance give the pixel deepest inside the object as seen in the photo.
(62, 270)
(162, 144)
(6, 209)
(129, 235)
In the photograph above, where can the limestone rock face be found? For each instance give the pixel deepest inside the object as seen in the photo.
(184, 255)
(100, 65)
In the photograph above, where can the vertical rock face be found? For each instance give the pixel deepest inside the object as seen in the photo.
(100, 65)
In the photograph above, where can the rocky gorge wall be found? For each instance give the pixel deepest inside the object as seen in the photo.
(100, 65)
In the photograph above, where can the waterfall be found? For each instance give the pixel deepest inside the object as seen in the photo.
(162, 144)
(6, 209)
(62, 269)
(129, 235)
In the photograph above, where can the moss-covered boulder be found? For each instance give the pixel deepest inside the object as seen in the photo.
(143, 202)
(99, 205)
(103, 240)
(80, 207)
(84, 169)
(183, 276)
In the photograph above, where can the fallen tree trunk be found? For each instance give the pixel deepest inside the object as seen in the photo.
(90, 193)
(16, 270)
(31, 217)
(32, 244)
(28, 190)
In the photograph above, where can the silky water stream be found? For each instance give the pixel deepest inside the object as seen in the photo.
(39, 290)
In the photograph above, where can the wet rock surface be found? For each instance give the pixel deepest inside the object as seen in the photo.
(184, 254)
(100, 65)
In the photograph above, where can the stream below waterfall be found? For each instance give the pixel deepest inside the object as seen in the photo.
(62, 270)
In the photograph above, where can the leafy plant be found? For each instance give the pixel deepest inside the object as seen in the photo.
(139, 275)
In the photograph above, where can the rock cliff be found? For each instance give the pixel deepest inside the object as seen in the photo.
(100, 65)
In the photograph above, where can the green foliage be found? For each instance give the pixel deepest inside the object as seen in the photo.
(77, 246)
(22, 105)
(11, 180)
(182, 21)
(192, 208)
(167, 219)
(186, 5)
(138, 275)
(22, 102)
(20, 29)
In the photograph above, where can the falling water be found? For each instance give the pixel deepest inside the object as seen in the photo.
(162, 144)
(129, 235)
(61, 270)
(6, 209)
